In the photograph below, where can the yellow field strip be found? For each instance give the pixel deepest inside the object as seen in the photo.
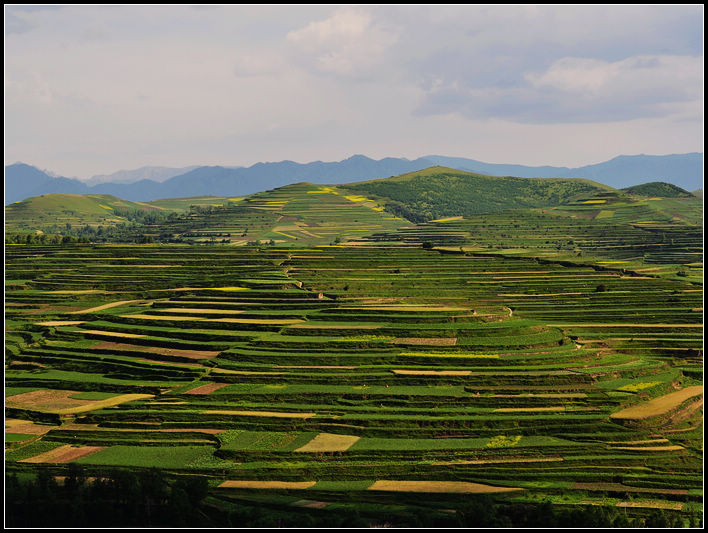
(671, 448)
(658, 406)
(632, 442)
(113, 334)
(328, 442)
(197, 311)
(426, 341)
(60, 323)
(432, 372)
(438, 486)
(248, 484)
(652, 504)
(311, 325)
(274, 321)
(270, 414)
(108, 402)
(105, 306)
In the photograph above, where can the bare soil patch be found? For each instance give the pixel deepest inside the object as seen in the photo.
(191, 354)
(207, 388)
(652, 504)
(310, 504)
(328, 442)
(26, 427)
(63, 454)
(45, 400)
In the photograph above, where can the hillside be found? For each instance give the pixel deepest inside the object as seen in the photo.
(658, 189)
(439, 192)
(60, 210)
(299, 214)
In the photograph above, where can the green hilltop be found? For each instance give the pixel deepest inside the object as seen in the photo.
(659, 189)
(439, 192)
(42, 212)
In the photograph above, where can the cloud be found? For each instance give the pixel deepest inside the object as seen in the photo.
(575, 89)
(16, 24)
(349, 43)
(101, 86)
(255, 63)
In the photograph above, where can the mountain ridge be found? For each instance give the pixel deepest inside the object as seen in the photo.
(24, 181)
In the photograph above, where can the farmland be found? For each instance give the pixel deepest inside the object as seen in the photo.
(342, 368)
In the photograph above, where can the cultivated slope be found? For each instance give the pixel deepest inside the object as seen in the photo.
(439, 192)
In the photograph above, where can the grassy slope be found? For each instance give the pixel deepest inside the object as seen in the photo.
(75, 209)
(439, 192)
(659, 189)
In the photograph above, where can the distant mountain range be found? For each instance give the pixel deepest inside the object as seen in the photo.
(158, 174)
(23, 181)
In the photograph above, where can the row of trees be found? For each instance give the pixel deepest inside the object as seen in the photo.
(120, 499)
(43, 238)
(149, 499)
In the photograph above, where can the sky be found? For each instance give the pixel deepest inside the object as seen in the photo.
(96, 89)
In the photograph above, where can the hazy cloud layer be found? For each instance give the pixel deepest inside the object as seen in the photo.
(92, 89)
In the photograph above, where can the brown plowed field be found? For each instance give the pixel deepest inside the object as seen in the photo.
(63, 454)
(207, 388)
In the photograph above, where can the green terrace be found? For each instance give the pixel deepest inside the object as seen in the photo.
(354, 371)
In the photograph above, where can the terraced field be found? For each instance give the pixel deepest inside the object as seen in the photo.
(336, 378)
(301, 214)
(657, 236)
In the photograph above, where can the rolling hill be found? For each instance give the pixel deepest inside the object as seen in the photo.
(439, 192)
(42, 212)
